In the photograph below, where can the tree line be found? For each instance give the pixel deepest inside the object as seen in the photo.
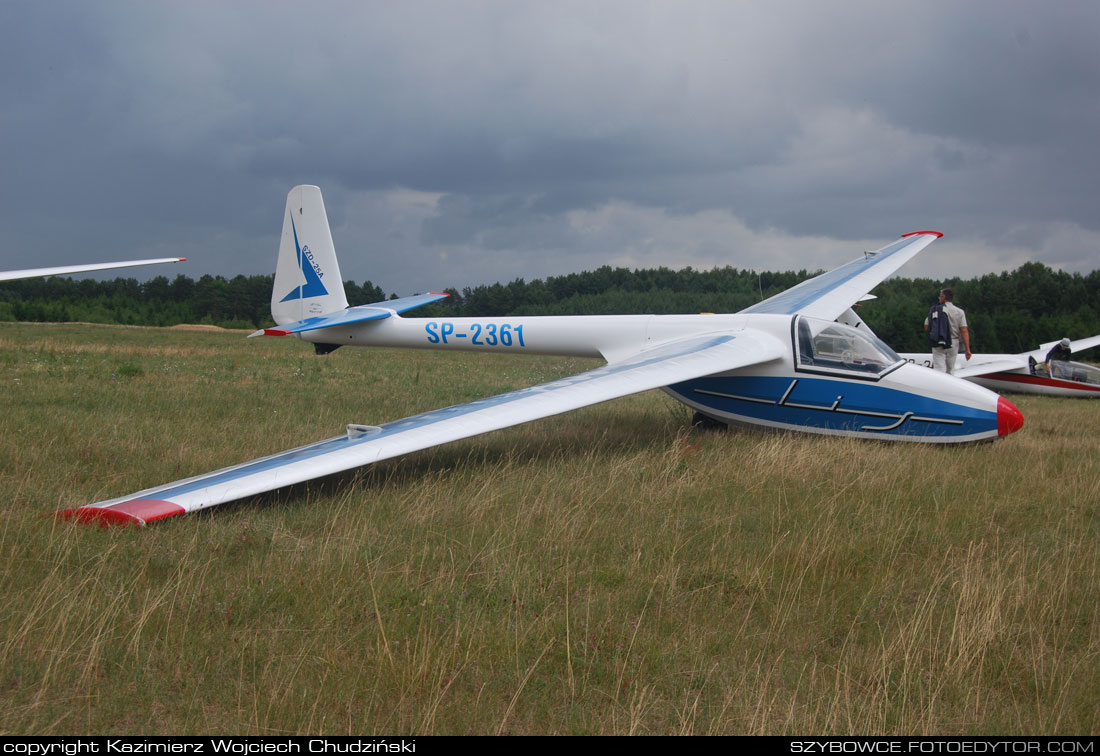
(1007, 312)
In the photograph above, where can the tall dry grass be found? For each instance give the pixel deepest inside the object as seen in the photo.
(606, 571)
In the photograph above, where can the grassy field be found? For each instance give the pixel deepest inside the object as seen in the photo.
(606, 571)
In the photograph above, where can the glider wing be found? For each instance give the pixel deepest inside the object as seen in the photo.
(1077, 345)
(669, 363)
(980, 365)
(65, 270)
(829, 295)
(1002, 364)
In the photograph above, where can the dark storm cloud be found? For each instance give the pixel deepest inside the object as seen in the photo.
(471, 142)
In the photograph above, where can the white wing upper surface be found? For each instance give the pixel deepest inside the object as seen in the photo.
(1077, 345)
(997, 364)
(829, 295)
(65, 270)
(672, 362)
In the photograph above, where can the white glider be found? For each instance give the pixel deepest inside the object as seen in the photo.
(65, 270)
(785, 363)
(1026, 372)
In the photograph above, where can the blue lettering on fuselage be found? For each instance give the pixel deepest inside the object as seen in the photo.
(479, 334)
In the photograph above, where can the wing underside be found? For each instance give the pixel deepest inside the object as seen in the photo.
(663, 365)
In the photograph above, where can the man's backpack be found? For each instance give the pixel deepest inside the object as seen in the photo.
(939, 329)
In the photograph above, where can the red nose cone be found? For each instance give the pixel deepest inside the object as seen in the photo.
(1009, 419)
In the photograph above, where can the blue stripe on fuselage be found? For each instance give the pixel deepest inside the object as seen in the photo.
(835, 405)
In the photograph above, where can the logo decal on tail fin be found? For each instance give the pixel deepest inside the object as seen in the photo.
(310, 269)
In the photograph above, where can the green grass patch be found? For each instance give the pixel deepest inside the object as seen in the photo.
(607, 571)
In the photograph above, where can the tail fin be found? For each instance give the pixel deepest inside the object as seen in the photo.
(307, 277)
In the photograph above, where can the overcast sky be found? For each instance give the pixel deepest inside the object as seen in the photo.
(459, 143)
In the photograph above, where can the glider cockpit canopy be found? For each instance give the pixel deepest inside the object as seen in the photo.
(828, 347)
(1078, 372)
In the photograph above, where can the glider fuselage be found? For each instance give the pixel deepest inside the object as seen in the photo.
(1070, 379)
(1075, 380)
(873, 395)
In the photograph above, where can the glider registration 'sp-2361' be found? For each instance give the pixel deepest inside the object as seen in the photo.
(784, 363)
(66, 270)
(1027, 373)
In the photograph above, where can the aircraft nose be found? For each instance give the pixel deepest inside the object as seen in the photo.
(1009, 419)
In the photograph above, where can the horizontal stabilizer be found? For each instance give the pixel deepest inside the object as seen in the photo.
(360, 314)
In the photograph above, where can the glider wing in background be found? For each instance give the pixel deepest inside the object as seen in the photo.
(65, 270)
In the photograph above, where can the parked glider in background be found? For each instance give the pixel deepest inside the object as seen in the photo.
(1015, 373)
(784, 363)
(65, 270)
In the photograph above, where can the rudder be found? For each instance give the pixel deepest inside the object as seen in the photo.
(307, 276)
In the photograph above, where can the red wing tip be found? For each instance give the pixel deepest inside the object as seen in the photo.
(104, 518)
(135, 512)
(181, 259)
(937, 234)
(439, 293)
(276, 332)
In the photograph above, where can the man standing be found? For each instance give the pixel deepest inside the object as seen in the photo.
(943, 357)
